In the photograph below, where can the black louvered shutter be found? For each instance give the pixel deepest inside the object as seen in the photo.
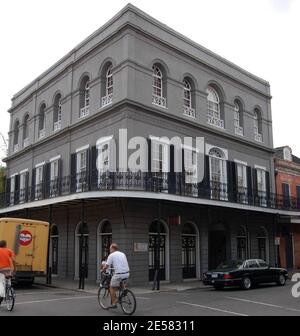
(204, 186)
(60, 181)
(32, 196)
(149, 182)
(17, 189)
(249, 185)
(7, 191)
(171, 174)
(73, 172)
(231, 180)
(93, 168)
(268, 187)
(26, 187)
(182, 175)
(47, 183)
(87, 173)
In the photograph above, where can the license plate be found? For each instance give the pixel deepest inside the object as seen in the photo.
(214, 275)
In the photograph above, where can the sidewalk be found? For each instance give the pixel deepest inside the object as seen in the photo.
(92, 287)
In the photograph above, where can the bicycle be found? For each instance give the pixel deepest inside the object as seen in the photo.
(125, 297)
(10, 295)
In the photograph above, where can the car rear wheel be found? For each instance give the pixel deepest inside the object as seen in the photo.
(281, 280)
(246, 283)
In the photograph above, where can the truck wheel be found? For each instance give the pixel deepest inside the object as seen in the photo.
(246, 283)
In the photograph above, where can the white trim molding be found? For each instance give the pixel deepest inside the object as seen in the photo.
(80, 149)
(24, 171)
(244, 163)
(55, 158)
(260, 167)
(40, 164)
(103, 140)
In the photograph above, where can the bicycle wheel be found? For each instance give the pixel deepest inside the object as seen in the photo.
(10, 298)
(104, 298)
(128, 302)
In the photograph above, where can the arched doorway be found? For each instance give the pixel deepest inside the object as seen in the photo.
(190, 251)
(104, 240)
(242, 243)
(53, 260)
(263, 244)
(81, 248)
(161, 253)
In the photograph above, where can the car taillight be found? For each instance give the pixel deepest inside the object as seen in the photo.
(227, 276)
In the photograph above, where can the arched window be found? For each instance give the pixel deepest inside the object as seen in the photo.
(108, 81)
(25, 131)
(257, 125)
(188, 99)
(84, 97)
(214, 108)
(54, 236)
(81, 249)
(242, 243)
(218, 173)
(262, 242)
(16, 135)
(42, 121)
(158, 94)
(57, 113)
(238, 118)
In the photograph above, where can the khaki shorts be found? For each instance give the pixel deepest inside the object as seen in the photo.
(117, 278)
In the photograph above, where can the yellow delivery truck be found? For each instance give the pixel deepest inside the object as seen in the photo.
(29, 240)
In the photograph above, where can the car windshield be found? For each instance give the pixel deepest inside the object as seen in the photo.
(231, 264)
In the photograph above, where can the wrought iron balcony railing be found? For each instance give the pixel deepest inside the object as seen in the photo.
(171, 183)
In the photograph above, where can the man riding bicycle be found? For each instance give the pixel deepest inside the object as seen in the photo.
(118, 261)
(7, 262)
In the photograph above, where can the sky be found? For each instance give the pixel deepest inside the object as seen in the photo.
(261, 36)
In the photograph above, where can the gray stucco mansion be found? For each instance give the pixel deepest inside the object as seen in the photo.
(135, 73)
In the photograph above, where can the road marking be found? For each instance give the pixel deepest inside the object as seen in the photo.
(263, 304)
(211, 308)
(33, 293)
(60, 299)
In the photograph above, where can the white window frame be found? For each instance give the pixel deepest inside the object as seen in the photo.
(238, 129)
(22, 175)
(214, 108)
(104, 169)
(39, 178)
(12, 189)
(81, 169)
(257, 135)
(190, 166)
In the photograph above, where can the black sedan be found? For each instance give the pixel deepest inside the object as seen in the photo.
(245, 274)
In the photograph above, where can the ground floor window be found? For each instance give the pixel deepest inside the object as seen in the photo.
(242, 246)
(262, 241)
(54, 237)
(81, 249)
(104, 240)
(157, 251)
(188, 251)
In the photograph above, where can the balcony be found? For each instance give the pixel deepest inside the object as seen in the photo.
(107, 100)
(170, 183)
(239, 130)
(214, 121)
(16, 148)
(84, 111)
(42, 133)
(25, 142)
(258, 137)
(189, 112)
(57, 126)
(159, 101)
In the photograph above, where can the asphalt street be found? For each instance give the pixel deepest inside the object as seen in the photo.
(262, 301)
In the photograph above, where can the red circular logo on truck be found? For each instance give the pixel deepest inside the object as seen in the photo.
(25, 238)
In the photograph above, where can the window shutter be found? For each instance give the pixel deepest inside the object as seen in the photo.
(249, 184)
(204, 186)
(171, 175)
(60, 176)
(73, 176)
(46, 179)
(149, 182)
(93, 168)
(255, 181)
(231, 180)
(26, 186)
(17, 188)
(268, 187)
(33, 184)
(182, 184)
(87, 170)
(7, 191)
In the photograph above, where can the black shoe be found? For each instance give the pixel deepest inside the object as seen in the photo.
(113, 306)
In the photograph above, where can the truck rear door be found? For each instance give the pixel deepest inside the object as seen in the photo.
(25, 240)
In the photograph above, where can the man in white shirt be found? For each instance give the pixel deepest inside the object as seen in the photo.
(118, 261)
